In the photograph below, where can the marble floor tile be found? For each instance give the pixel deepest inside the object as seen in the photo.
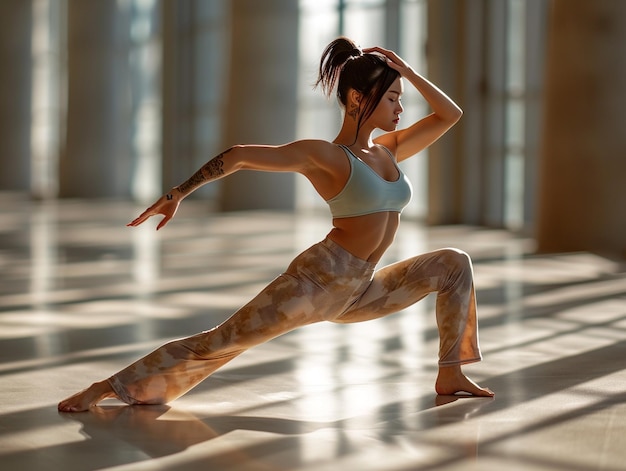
(81, 296)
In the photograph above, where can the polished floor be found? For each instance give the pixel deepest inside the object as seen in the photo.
(81, 295)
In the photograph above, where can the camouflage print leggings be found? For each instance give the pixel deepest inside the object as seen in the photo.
(324, 283)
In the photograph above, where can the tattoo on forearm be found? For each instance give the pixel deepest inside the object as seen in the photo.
(193, 182)
(213, 167)
(212, 170)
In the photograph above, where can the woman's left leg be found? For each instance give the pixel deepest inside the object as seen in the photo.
(448, 272)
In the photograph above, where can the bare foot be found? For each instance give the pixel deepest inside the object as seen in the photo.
(87, 398)
(451, 380)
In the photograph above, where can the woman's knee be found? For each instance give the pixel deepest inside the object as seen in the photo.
(456, 258)
(458, 264)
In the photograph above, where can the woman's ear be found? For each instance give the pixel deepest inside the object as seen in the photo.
(353, 106)
(355, 97)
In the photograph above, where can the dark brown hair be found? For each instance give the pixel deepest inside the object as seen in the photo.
(345, 66)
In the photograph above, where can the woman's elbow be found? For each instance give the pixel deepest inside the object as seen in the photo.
(456, 115)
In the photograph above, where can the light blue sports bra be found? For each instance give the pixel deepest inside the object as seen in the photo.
(366, 192)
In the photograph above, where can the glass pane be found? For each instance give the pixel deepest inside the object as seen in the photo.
(145, 98)
(515, 115)
(365, 21)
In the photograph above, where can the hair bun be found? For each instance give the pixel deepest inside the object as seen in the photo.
(356, 52)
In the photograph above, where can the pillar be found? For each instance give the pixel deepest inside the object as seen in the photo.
(443, 53)
(582, 192)
(96, 161)
(15, 94)
(262, 104)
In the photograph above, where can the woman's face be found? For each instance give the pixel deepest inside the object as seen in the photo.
(386, 115)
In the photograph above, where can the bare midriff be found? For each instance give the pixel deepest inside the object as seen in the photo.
(366, 237)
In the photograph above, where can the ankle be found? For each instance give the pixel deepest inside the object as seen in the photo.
(450, 371)
(102, 389)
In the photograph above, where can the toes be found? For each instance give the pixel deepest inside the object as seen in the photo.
(71, 406)
(66, 408)
(482, 392)
(461, 384)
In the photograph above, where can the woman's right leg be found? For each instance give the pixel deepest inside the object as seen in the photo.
(319, 283)
(177, 366)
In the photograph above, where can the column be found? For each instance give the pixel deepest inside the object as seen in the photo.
(262, 104)
(442, 55)
(582, 192)
(96, 161)
(15, 94)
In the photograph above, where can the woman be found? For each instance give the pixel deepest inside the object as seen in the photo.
(334, 280)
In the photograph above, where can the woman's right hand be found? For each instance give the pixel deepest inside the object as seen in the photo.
(166, 205)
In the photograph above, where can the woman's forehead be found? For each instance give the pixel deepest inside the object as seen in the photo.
(397, 87)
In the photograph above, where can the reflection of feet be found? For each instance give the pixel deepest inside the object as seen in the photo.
(143, 427)
(444, 400)
(126, 416)
(87, 398)
(110, 414)
(451, 380)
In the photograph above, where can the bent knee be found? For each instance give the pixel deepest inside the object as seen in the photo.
(456, 257)
(457, 262)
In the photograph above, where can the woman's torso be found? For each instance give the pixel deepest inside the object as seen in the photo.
(366, 236)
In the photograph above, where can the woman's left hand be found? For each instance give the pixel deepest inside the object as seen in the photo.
(393, 60)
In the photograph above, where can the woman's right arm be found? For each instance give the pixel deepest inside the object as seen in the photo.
(298, 156)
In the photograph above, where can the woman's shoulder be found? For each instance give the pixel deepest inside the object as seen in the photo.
(322, 153)
(328, 167)
(317, 146)
(325, 162)
(388, 142)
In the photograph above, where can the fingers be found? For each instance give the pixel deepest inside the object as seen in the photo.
(138, 220)
(148, 214)
(163, 222)
(375, 49)
(385, 52)
(163, 206)
(394, 59)
(141, 219)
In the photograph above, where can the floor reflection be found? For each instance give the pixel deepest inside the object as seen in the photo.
(158, 431)
(81, 295)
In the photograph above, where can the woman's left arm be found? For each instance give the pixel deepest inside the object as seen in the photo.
(445, 112)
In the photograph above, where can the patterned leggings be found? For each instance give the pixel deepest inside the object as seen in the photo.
(324, 283)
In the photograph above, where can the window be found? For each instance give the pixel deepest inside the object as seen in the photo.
(395, 24)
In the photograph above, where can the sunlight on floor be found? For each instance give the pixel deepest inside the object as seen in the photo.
(81, 296)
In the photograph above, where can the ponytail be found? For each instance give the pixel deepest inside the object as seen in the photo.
(336, 54)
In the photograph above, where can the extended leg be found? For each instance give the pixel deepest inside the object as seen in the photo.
(83, 400)
(177, 366)
(313, 289)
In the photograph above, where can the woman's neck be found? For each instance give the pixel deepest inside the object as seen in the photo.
(347, 134)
